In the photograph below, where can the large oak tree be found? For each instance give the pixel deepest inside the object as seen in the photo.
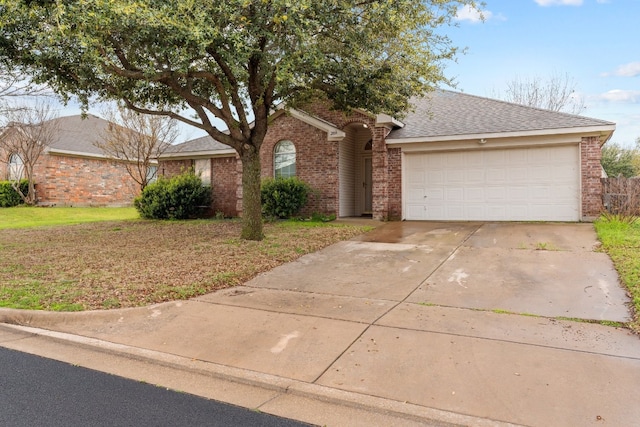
(196, 60)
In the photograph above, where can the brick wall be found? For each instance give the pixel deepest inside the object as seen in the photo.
(590, 155)
(341, 120)
(316, 160)
(225, 185)
(223, 177)
(395, 183)
(169, 168)
(77, 181)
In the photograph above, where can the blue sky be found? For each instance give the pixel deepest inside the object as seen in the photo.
(595, 42)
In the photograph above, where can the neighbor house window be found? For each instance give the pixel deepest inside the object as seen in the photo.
(152, 174)
(284, 159)
(202, 167)
(16, 167)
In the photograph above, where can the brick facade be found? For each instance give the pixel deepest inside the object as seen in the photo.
(225, 184)
(342, 120)
(79, 181)
(394, 177)
(316, 160)
(169, 168)
(591, 172)
(318, 164)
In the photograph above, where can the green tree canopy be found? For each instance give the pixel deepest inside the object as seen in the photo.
(232, 60)
(618, 160)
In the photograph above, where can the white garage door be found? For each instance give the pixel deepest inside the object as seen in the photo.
(524, 184)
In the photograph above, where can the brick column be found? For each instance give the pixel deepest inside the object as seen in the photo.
(394, 178)
(380, 174)
(591, 168)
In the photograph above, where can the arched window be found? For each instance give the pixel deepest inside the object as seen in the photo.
(284, 159)
(16, 167)
(369, 145)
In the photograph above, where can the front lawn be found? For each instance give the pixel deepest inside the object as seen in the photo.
(25, 217)
(621, 240)
(104, 265)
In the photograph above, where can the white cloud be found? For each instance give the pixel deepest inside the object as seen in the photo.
(559, 2)
(631, 69)
(621, 96)
(471, 14)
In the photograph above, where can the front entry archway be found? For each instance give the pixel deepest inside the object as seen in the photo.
(356, 171)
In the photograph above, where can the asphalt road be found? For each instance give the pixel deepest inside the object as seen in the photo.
(35, 391)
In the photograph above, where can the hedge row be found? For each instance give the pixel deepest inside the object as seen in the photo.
(9, 197)
(179, 197)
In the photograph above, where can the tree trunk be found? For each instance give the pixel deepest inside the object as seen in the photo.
(31, 195)
(251, 201)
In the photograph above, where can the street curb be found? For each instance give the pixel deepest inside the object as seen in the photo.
(264, 381)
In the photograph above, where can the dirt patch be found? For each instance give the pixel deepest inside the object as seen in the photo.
(128, 264)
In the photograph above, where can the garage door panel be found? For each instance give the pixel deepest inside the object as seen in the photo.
(496, 176)
(475, 195)
(454, 177)
(495, 194)
(435, 194)
(416, 195)
(517, 184)
(475, 175)
(453, 195)
(435, 177)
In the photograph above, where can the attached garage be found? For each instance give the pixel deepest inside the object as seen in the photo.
(519, 184)
(466, 158)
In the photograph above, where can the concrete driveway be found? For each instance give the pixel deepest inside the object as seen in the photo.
(451, 322)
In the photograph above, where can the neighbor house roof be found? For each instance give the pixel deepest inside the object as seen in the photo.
(454, 115)
(202, 146)
(77, 135)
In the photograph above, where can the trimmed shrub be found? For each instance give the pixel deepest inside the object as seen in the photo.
(9, 196)
(283, 197)
(179, 197)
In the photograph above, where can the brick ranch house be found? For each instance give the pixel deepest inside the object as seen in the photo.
(455, 157)
(74, 172)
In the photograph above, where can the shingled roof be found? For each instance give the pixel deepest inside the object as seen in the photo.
(447, 114)
(78, 135)
(204, 144)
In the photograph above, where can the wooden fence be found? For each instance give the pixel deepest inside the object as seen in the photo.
(621, 195)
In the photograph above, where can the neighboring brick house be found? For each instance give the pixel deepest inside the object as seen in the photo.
(73, 171)
(454, 157)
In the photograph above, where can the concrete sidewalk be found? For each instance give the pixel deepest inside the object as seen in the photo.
(410, 324)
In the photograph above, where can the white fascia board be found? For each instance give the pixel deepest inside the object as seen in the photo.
(96, 156)
(605, 130)
(382, 120)
(76, 153)
(387, 120)
(199, 154)
(333, 133)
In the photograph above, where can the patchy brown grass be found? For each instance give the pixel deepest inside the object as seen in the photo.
(134, 263)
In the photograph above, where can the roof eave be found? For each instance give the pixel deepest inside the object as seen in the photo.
(202, 154)
(388, 121)
(604, 131)
(73, 153)
(333, 133)
(97, 156)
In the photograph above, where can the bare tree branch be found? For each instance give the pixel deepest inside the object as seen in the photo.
(556, 93)
(29, 133)
(136, 141)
